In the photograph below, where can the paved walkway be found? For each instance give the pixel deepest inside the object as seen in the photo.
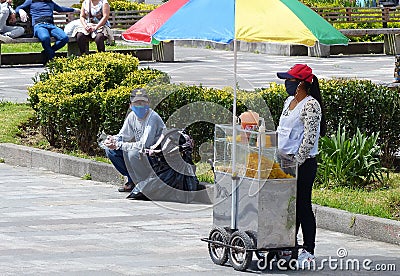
(53, 224)
(214, 68)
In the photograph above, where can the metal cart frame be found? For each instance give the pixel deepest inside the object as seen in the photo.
(262, 211)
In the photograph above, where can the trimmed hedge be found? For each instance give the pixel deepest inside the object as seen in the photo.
(198, 108)
(114, 66)
(370, 107)
(126, 5)
(73, 104)
(69, 99)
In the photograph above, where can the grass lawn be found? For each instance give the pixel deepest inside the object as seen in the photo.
(12, 115)
(380, 201)
(37, 47)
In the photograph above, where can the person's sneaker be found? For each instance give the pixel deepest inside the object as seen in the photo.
(5, 39)
(45, 58)
(137, 196)
(127, 188)
(306, 260)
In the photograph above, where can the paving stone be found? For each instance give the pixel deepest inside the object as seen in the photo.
(87, 228)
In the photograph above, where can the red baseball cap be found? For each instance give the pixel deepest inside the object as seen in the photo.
(298, 71)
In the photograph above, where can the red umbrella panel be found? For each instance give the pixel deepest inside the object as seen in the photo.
(144, 29)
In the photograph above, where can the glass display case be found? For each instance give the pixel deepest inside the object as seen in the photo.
(256, 154)
(265, 185)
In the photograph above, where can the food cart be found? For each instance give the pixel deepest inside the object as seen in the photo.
(254, 208)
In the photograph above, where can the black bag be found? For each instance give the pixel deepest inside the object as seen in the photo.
(173, 167)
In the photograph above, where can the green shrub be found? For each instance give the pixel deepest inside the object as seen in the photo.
(70, 122)
(329, 3)
(114, 66)
(174, 104)
(113, 109)
(198, 108)
(353, 104)
(145, 76)
(274, 97)
(126, 5)
(67, 83)
(349, 161)
(68, 97)
(370, 107)
(350, 103)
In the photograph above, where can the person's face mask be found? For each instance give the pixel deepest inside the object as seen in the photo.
(140, 110)
(291, 87)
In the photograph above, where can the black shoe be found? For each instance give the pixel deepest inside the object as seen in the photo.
(137, 196)
(45, 58)
(127, 188)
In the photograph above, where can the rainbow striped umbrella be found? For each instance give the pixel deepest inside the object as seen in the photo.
(144, 29)
(222, 21)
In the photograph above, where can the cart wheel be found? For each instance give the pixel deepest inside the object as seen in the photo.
(239, 256)
(218, 253)
(253, 235)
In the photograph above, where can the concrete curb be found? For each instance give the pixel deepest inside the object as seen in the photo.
(374, 228)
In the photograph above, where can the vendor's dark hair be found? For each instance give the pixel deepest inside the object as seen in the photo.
(314, 91)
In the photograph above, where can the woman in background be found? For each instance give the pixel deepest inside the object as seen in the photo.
(94, 19)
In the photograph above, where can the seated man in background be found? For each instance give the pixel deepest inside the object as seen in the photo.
(7, 13)
(41, 12)
(141, 129)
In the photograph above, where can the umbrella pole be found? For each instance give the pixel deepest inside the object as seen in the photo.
(234, 131)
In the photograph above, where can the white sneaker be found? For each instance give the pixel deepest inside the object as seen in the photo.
(5, 39)
(306, 260)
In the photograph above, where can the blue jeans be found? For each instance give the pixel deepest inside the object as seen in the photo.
(44, 31)
(117, 159)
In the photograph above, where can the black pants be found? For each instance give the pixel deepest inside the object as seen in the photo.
(83, 42)
(304, 214)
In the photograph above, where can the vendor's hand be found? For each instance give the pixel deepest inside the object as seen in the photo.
(23, 15)
(110, 142)
(77, 10)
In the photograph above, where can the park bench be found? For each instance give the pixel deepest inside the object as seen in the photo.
(119, 21)
(341, 16)
(60, 19)
(391, 37)
(359, 15)
(391, 40)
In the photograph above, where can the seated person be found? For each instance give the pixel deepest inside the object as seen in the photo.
(42, 15)
(7, 13)
(94, 20)
(141, 129)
